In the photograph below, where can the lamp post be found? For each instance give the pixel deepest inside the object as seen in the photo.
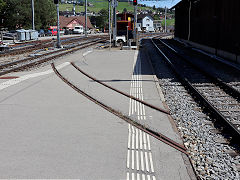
(33, 24)
(85, 17)
(58, 28)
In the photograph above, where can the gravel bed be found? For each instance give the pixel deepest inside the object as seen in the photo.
(207, 152)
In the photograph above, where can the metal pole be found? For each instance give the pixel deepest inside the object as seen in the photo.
(58, 28)
(114, 23)
(127, 35)
(33, 24)
(109, 23)
(165, 19)
(135, 23)
(85, 17)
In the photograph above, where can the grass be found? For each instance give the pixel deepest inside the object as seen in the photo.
(100, 5)
(170, 22)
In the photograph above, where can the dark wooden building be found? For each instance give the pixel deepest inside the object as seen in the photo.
(215, 24)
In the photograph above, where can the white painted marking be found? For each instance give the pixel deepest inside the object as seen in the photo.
(138, 176)
(146, 161)
(132, 159)
(86, 53)
(127, 176)
(148, 177)
(12, 82)
(144, 141)
(136, 138)
(128, 158)
(129, 138)
(133, 136)
(148, 142)
(143, 176)
(137, 160)
(142, 162)
(151, 161)
(140, 139)
(154, 178)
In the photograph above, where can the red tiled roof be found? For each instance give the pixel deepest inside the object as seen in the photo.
(64, 21)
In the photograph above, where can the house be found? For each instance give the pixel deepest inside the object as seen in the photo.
(71, 22)
(157, 24)
(145, 22)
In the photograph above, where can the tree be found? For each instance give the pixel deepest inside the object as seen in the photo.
(2, 4)
(124, 10)
(18, 14)
(154, 7)
(102, 20)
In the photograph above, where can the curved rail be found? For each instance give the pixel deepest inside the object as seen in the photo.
(149, 131)
(121, 92)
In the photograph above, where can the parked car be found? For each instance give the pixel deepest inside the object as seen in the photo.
(78, 30)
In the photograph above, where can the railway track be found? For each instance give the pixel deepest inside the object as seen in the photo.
(29, 47)
(33, 61)
(127, 119)
(218, 98)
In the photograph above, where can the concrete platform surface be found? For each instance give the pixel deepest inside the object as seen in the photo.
(49, 131)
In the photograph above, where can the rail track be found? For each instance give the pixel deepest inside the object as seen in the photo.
(37, 45)
(215, 96)
(134, 123)
(33, 61)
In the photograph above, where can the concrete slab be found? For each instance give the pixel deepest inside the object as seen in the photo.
(50, 131)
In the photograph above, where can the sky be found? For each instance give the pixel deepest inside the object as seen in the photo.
(167, 3)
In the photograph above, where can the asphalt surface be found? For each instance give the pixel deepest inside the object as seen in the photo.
(48, 130)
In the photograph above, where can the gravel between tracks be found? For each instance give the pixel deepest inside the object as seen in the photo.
(207, 155)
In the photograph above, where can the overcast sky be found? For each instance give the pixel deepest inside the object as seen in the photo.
(168, 3)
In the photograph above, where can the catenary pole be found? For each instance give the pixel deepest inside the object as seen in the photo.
(109, 23)
(85, 17)
(165, 19)
(58, 28)
(33, 23)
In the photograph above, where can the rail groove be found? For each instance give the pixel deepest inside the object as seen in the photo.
(149, 131)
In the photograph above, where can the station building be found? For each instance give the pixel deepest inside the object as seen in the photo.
(213, 26)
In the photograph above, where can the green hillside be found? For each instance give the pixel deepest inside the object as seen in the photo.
(102, 4)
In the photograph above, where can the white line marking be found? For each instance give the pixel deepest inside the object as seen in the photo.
(129, 138)
(140, 139)
(12, 82)
(154, 178)
(144, 141)
(128, 158)
(138, 176)
(148, 142)
(133, 176)
(127, 176)
(151, 161)
(137, 160)
(86, 53)
(148, 177)
(146, 160)
(137, 138)
(143, 176)
(132, 159)
(142, 163)
(133, 136)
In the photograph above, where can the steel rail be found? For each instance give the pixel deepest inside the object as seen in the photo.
(66, 51)
(121, 92)
(31, 58)
(228, 89)
(235, 133)
(149, 131)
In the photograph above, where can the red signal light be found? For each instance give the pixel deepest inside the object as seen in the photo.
(134, 2)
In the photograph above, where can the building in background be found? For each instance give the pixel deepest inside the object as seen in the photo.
(210, 25)
(145, 22)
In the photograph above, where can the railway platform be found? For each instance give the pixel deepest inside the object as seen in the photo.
(49, 130)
